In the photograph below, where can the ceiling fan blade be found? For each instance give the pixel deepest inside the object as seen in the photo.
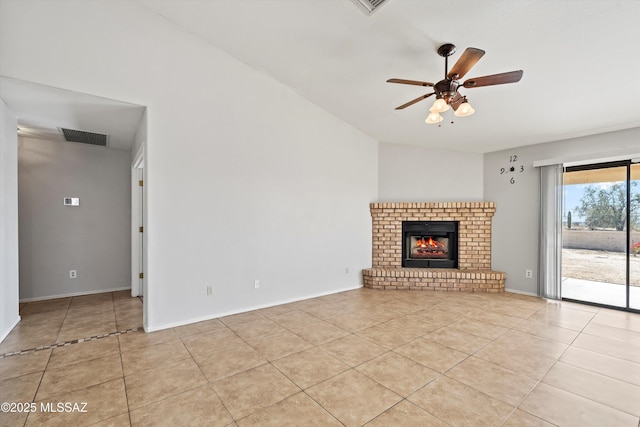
(418, 99)
(494, 79)
(409, 82)
(468, 59)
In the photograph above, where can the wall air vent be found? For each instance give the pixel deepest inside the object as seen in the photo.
(369, 6)
(83, 137)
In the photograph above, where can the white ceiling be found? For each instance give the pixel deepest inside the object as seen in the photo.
(579, 59)
(43, 110)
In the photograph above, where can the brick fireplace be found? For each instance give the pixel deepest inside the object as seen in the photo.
(473, 272)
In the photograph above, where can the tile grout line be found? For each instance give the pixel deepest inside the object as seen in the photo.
(304, 390)
(540, 381)
(68, 343)
(124, 382)
(35, 394)
(492, 340)
(581, 332)
(209, 382)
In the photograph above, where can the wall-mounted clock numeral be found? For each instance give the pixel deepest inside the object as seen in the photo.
(512, 169)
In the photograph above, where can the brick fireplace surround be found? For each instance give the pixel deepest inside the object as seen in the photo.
(474, 240)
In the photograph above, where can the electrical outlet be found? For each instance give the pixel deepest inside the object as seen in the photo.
(346, 270)
(256, 284)
(528, 274)
(73, 274)
(209, 290)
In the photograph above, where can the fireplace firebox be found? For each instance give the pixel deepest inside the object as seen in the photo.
(430, 244)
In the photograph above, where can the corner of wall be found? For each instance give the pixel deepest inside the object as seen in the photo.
(9, 285)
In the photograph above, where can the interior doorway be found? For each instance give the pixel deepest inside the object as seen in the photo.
(137, 225)
(601, 234)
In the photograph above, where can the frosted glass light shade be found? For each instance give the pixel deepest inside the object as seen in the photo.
(434, 118)
(439, 106)
(465, 109)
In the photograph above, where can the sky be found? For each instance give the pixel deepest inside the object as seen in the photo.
(571, 199)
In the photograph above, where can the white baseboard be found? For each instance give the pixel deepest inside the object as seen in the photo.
(516, 291)
(8, 331)
(148, 328)
(75, 294)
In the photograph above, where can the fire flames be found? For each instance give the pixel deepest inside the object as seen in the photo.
(429, 248)
(430, 243)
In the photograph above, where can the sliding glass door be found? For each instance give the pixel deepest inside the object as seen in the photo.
(601, 234)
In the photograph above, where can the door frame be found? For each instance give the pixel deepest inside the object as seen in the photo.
(137, 221)
(628, 164)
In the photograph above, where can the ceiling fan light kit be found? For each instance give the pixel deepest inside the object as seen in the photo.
(446, 90)
(464, 110)
(439, 106)
(433, 118)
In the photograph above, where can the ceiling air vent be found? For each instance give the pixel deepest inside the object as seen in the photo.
(369, 6)
(83, 137)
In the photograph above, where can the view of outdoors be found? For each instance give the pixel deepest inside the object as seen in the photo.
(595, 222)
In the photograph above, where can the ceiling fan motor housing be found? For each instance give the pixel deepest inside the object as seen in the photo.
(446, 89)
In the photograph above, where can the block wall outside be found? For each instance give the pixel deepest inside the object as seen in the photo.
(605, 240)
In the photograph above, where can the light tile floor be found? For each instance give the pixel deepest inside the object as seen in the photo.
(362, 357)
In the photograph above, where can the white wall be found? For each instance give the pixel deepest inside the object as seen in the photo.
(8, 221)
(93, 238)
(415, 174)
(244, 178)
(140, 137)
(516, 222)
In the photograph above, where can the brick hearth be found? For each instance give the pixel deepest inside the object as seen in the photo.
(474, 239)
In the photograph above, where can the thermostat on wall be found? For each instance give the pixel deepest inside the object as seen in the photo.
(72, 201)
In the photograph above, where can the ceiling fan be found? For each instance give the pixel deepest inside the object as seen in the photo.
(446, 90)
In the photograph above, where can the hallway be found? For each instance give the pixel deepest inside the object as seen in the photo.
(64, 321)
